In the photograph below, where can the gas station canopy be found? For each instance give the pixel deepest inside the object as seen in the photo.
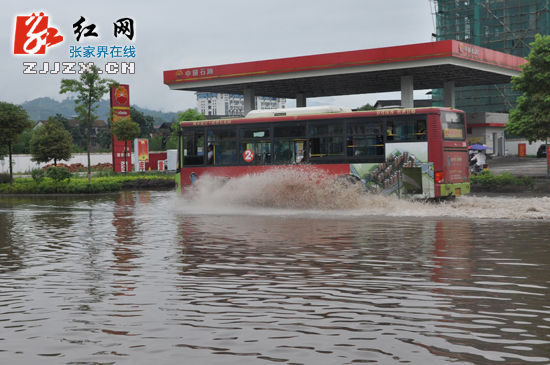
(444, 64)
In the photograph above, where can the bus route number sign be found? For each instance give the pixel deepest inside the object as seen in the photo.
(248, 155)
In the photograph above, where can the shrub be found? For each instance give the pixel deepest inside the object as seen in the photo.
(82, 186)
(105, 172)
(5, 178)
(38, 175)
(58, 173)
(64, 187)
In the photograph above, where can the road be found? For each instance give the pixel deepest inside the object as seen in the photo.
(519, 166)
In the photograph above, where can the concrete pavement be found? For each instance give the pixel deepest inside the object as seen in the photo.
(535, 167)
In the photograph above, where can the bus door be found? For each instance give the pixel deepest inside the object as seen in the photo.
(299, 146)
(261, 150)
(289, 143)
(258, 140)
(193, 147)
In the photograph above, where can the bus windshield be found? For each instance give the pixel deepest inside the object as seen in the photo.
(452, 125)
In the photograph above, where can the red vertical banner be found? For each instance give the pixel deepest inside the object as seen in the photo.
(522, 149)
(120, 106)
(143, 150)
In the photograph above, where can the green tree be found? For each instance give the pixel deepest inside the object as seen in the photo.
(104, 138)
(23, 146)
(78, 132)
(51, 141)
(367, 106)
(125, 130)
(13, 121)
(61, 119)
(146, 123)
(531, 118)
(89, 89)
(189, 115)
(172, 138)
(155, 144)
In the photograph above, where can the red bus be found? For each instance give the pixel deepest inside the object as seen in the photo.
(418, 152)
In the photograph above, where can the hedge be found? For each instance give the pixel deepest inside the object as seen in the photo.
(82, 186)
(487, 179)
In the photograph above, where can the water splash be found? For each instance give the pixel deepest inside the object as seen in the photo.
(291, 192)
(281, 188)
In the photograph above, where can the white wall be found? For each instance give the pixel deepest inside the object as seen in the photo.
(531, 149)
(23, 163)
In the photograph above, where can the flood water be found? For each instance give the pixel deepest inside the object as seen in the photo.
(150, 278)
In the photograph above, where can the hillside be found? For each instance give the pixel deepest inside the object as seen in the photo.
(42, 108)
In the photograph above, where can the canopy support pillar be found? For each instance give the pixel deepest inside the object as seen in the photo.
(249, 100)
(301, 100)
(449, 94)
(407, 91)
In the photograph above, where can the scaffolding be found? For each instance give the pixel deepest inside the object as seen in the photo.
(507, 26)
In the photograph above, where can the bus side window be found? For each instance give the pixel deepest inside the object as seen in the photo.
(224, 143)
(365, 139)
(406, 130)
(326, 140)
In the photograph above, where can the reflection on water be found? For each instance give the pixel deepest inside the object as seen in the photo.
(145, 277)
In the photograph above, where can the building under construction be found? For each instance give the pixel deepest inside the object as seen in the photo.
(503, 25)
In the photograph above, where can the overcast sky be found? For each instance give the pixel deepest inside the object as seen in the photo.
(177, 34)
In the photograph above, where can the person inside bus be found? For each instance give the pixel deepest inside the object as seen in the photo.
(389, 133)
(286, 156)
(421, 132)
(210, 154)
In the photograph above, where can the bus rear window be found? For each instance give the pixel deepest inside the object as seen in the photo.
(452, 125)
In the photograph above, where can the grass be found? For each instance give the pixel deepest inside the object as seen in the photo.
(80, 184)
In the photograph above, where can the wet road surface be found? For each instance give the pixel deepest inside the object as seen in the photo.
(519, 166)
(148, 278)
